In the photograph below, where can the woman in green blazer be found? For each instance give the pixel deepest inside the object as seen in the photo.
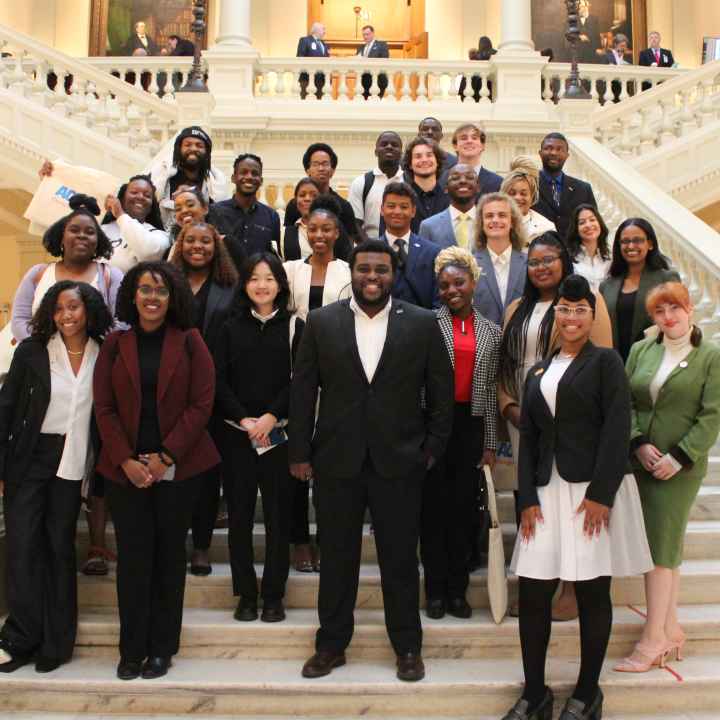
(637, 267)
(675, 385)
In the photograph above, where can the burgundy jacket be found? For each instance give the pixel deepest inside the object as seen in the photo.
(186, 390)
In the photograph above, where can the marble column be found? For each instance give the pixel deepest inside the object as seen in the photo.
(516, 34)
(234, 25)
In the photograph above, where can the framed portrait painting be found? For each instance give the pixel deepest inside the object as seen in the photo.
(600, 22)
(138, 27)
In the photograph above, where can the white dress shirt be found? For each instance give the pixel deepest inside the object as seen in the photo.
(370, 334)
(392, 241)
(471, 215)
(501, 265)
(368, 48)
(369, 212)
(536, 224)
(594, 269)
(70, 407)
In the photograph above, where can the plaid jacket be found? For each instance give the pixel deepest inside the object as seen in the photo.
(487, 355)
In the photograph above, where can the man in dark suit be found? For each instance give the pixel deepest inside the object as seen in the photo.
(560, 194)
(140, 40)
(618, 54)
(656, 56)
(313, 45)
(589, 27)
(469, 143)
(373, 49)
(415, 280)
(373, 441)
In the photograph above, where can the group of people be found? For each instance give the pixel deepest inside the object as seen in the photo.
(379, 349)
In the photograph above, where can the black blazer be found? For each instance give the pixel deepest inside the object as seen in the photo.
(589, 437)
(305, 47)
(383, 418)
(609, 58)
(647, 58)
(134, 43)
(216, 310)
(378, 50)
(24, 401)
(575, 192)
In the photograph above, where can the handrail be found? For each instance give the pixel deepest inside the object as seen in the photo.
(103, 82)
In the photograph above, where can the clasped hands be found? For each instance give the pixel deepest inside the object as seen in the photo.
(259, 429)
(146, 470)
(655, 462)
(597, 517)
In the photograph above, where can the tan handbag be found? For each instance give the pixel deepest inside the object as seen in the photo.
(496, 574)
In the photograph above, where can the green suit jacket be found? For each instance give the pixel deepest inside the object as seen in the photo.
(611, 287)
(685, 419)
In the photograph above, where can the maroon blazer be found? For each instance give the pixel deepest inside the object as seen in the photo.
(186, 390)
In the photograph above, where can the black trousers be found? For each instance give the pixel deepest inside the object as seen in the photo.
(395, 505)
(246, 471)
(40, 522)
(205, 509)
(448, 508)
(151, 525)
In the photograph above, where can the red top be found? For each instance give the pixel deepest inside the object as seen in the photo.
(464, 345)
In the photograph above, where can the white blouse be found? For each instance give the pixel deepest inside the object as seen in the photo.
(536, 225)
(336, 287)
(70, 407)
(594, 269)
(675, 352)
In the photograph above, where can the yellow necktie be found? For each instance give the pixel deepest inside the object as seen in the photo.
(461, 231)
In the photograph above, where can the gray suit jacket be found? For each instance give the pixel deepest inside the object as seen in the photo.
(487, 292)
(438, 229)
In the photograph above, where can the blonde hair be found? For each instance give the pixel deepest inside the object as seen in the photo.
(523, 167)
(518, 236)
(457, 257)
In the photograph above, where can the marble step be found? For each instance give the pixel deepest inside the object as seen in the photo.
(215, 634)
(700, 585)
(22, 715)
(702, 542)
(452, 688)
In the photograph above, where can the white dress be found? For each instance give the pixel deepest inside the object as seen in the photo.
(560, 549)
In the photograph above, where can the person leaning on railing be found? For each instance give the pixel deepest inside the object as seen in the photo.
(675, 385)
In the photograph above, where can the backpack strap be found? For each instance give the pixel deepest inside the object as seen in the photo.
(367, 186)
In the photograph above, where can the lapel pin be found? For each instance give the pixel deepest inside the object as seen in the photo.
(399, 311)
(684, 364)
(416, 244)
(539, 371)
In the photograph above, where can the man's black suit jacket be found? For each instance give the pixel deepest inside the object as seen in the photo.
(385, 418)
(575, 192)
(134, 43)
(589, 436)
(378, 50)
(647, 58)
(305, 47)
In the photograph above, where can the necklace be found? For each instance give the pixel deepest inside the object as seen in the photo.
(566, 356)
(76, 352)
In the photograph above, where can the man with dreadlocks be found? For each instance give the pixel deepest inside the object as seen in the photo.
(191, 164)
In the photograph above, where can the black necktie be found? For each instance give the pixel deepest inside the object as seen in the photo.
(402, 254)
(555, 193)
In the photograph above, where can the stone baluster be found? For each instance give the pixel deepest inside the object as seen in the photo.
(342, 86)
(375, 88)
(291, 79)
(327, 89)
(279, 204)
(548, 81)
(16, 78)
(422, 90)
(265, 84)
(404, 86)
(153, 87)
(485, 87)
(648, 135)
(707, 111)
(667, 126)
(687, 117)
(122, 123)
(462, 93)
(705, 306)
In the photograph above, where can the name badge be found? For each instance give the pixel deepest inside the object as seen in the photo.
(665, 58)
(313, 46)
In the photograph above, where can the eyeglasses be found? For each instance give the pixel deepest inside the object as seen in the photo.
(546, 261)
(579, 311)
(633, 241)
(159, 292)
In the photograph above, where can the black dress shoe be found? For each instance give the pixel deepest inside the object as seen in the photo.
(522, 710)
(458, 607)
(577, 710)
(273, 612)
(435, 608)
(46, 665)
(246, 610)
(13, 659)
(410, 667)
(200, 570)
(128, 669)
(323, 662)
(155, 667)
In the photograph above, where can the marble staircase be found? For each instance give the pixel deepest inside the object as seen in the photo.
(252, 670)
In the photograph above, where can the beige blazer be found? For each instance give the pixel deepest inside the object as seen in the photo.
(600, 335)
(337, 284)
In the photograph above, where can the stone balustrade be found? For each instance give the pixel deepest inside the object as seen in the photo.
(605, 83)
(669, 111)
(161, 76)
(346, 79)
(72, 88)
